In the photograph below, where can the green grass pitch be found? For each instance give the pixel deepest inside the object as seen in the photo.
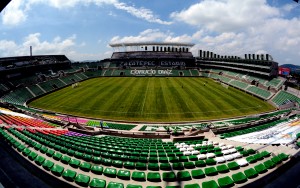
(153, 99)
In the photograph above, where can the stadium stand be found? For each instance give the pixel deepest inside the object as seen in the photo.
(283, 97)
(260, 92)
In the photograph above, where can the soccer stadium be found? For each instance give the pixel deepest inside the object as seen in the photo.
(154, 114)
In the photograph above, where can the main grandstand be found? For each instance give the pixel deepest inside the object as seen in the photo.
(244, 133)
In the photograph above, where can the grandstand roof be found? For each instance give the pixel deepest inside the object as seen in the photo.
(151, 43)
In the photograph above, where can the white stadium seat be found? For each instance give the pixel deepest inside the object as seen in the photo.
(201, 156)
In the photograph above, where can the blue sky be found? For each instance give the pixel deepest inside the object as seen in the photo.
(82, 29)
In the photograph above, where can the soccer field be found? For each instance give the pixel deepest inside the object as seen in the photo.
(154, 99)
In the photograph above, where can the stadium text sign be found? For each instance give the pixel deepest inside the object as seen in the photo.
(151, 72)
(153, 63)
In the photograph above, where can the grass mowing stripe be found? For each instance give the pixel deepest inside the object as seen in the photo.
(115, 98)
(206, 97)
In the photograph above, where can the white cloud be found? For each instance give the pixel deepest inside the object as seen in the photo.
(151, 35)
(14, 14)
(145, 36)
(226, 15)
(66, 46)
(57, 46)
(142, 13)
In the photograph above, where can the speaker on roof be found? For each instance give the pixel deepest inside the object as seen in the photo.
(211, 54)
(253, 56)
(267, 57)
(257, 56)
(200, 53)
(218, 56)
(246, 56)
(215, 55)
(207, 54)
(249, 56)
(262, 57)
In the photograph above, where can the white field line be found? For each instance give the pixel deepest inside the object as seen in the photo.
(145, 97)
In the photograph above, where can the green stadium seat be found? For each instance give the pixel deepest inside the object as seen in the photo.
(97, 169)
(283, 156)
(123, 174)
(210, 171)
(26, 151)
(163, 159)
(57, 156)
(50, 152)
(200, 163)
(250, 173)
(134, 186)
(115, 185)
(110, 172)
(276, 159)
(239, 177)
(189, 165)
(251, 159)
(74, 163)
(47, 165)
(129, 165)
(260, 168)
(165, 166)
(69, 175)
(140, 166)
(178, 166)
(153, 166)
(183, 159)
(198, 174)
(195, 185)
(97, 183)
(85, 166)
(32, 155)
(82, 180)
(39, 160)
(210, 161)
(106, 162)
(183, 176)
(233, 165)
(117, 163)
(169, 176)
(57, 170)
(269, 164)
(258, 157)
(153, 177)
(138, 176)
(225, 182)
(210, 184)
(97, 160)
(65, 159)
(222, 168)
